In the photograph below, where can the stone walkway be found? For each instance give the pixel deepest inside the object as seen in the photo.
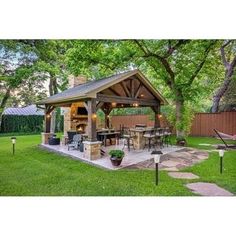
(183, 175)
(175, 161)
(208, 189)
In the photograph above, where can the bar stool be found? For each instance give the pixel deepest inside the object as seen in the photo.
(128, 139)
(159, 137)
(166, 137)
(149, 139)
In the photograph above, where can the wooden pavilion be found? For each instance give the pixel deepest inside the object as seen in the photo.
(127, 89)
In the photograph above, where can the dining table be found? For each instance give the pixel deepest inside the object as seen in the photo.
(103, 136)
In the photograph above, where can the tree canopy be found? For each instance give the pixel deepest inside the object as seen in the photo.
(186, 72)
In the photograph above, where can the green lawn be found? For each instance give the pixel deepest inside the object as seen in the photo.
(33, 171)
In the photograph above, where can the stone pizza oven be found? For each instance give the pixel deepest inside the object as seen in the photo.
(76, 117)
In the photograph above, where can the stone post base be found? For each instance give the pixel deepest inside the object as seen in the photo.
(139, 140)
(92, 150)
(45, 137)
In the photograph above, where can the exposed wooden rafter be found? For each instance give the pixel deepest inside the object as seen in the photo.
(99, 105)
(127, 93)
(132, 87)
(114, 91)
(126, 100)
(138, 90)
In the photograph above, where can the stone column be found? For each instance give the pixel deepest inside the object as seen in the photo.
(92, 150)
(67, 120)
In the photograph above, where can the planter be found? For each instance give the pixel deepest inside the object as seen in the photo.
(115, 161)
(181, 143)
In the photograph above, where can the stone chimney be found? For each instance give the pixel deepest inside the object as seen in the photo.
(75, 81)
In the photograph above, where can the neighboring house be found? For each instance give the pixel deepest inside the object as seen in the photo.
(31, 110)
(22, 119)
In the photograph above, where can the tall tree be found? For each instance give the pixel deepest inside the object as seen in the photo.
(177, 63)
(15, 68)
(50, 66)
(229, 62)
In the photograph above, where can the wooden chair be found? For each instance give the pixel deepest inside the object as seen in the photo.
(75, 144)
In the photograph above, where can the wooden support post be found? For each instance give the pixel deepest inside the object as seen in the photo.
(92, 135)
(47, 118)
(157, 122)
(107, 110)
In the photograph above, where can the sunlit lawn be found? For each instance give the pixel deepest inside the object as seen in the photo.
(33, 171)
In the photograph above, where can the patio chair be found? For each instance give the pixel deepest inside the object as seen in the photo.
(77, 140)
(70, 135)
(128, 139)
(221, 136)
(166, 137)
(149, 138)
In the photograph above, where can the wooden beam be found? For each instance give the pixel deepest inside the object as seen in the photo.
(127, 93)
(49, 109)
(86, 105)
(47, 118)
(126, 100)
(107, 111)
(114, 91)
(132, 87)
(157, 112)
(138, 90)
(92, 135)
(99, 105)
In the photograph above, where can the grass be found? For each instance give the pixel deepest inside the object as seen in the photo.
(209, 171)
(36, 172)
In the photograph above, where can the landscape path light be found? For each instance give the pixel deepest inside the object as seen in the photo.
(221, 154)
(157, 157)
(13, 140)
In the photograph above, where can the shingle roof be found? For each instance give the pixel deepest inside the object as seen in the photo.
(24, 111)
(86, 90)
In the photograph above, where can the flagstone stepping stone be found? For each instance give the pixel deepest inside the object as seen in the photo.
(170, 169)
(201, 157)
(170, 163)
(183, 175)
(208, 189)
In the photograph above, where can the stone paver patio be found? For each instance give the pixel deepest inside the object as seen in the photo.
(208, 189)
(131, 158)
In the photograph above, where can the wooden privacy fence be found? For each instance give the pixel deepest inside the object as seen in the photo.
(204, 123)
(132, 120)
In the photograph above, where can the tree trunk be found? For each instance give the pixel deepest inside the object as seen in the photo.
(221, 91)
(179, 114)
(229, 70)
(3, 104)
(53, 90)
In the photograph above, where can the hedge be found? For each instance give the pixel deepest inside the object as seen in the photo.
(33, 123)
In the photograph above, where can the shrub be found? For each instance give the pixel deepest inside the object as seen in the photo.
(117, 153)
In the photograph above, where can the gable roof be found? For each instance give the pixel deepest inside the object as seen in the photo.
(91, 88)
(24, 111)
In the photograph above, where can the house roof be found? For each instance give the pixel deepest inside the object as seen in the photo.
(91, 88)
(24, 111)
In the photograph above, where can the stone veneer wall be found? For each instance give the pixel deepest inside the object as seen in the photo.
(67, 120)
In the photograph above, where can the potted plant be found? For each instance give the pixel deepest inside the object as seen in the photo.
(116, 157)
(181, 141)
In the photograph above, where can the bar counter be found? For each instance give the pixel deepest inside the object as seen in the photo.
(139, 140)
